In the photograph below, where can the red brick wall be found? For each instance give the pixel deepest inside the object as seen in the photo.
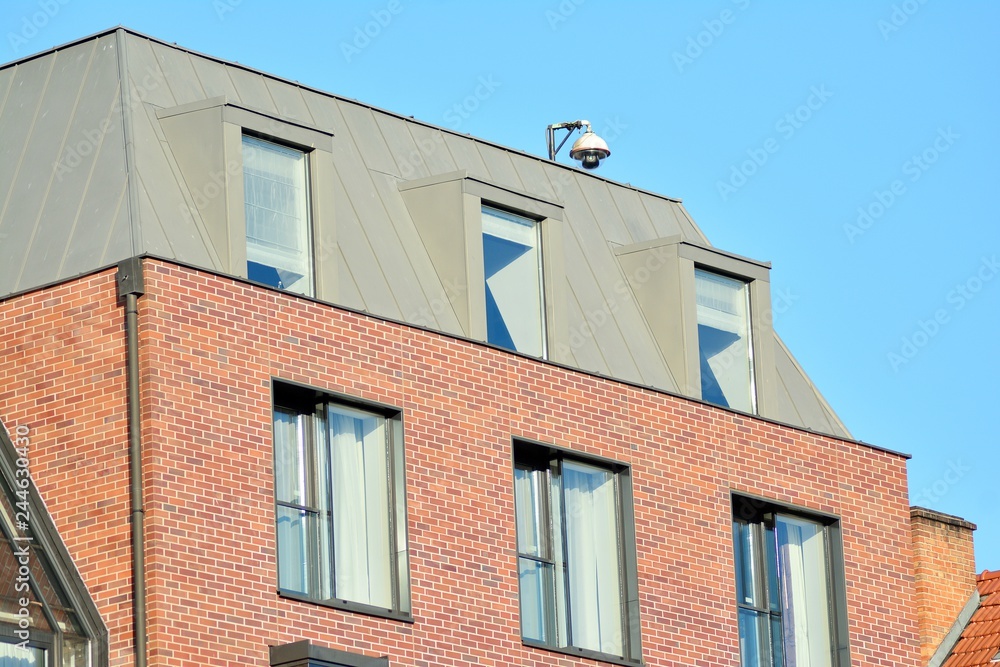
(209, 348)
(62, 374)
(945, 573)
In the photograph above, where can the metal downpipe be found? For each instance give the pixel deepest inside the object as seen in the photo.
(130, 285)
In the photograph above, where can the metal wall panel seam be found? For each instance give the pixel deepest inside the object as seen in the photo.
(135, 232)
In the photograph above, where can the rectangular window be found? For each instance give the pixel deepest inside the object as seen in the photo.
(512, 265)
(15, 655)
(576, 553)
(340, 494)
(785, 587)
(276, 195)
(724, 345)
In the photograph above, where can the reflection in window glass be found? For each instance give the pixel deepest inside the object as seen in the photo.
(13, 656)
(724, 341)
(52, 624)
(513, 272)
(570, 565)
(783, 591)
(341, 511)
(277, 215)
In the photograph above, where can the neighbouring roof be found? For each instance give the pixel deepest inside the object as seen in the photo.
(980, 640)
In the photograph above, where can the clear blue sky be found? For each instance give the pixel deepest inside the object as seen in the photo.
(852, 144)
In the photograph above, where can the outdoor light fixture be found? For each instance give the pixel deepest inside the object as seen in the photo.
(589, 149)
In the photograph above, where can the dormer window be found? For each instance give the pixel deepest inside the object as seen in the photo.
(512, 270)
(710, 312)
(276, 195)
(498, 254)
(725, 349)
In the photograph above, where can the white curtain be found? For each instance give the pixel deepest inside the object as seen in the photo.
(360, 507)
(290, 487)
(289, 455)
(592, 558)
(805, 595)
(535, 577)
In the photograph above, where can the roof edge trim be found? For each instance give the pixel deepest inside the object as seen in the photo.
(408, 119)
(61, 47)
(223, 101)
(463, 175)
(547, 362)
(637, 385)
(955, 633)
(940, 517)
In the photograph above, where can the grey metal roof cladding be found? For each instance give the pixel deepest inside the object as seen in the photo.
(87, 178)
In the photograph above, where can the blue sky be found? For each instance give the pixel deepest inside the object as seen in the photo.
(854, 145)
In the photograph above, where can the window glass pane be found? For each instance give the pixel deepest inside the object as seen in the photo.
(804, 579)
(536, 600)
(754, 642)
(298, 539)
(771, 556)
(748, 587)
(592, 558)
(528, 503)
(289, 458)
(777, 647)
(399, 518)
(724, 341)
(361, 507)
(559, 555)
(277, 215)
(74, 653)
(12, 656)
(512, 266)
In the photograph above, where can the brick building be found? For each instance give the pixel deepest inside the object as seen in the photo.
(303, 382)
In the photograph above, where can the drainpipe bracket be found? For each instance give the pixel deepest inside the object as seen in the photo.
(129, 277)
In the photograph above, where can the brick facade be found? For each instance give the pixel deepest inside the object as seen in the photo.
(945, 573)
(209, 348)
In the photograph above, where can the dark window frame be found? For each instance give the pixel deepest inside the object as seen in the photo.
(529, 452)
(297, 396)
(541, 249)
(747, 282)
(57, 565)
(308, 153)
(756, 511)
